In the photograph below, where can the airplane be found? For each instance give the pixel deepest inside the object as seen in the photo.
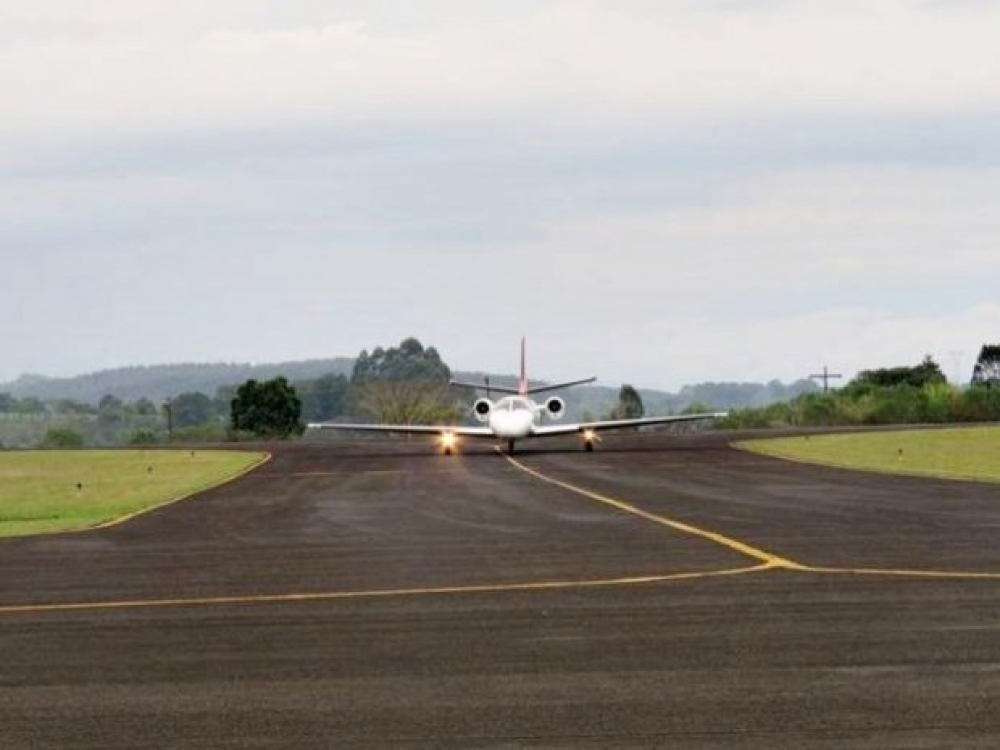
(515, 416)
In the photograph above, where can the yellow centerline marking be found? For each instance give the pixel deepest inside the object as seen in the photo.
(320, 596)
(956, 575)
(769, 559)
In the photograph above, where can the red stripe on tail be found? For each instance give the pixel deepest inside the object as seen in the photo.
(522, 386)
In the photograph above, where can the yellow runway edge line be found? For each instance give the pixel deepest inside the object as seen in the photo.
(373, 594)
(174, 500)
(265, 457)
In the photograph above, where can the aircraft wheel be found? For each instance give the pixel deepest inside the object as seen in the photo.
(589, 446)
(447, 451)
(510, 447)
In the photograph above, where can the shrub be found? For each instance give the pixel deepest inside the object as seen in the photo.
(210, 432)
(59, 438)
(143, 437)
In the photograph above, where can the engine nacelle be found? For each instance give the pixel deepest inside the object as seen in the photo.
(482, 409)
(555, 407)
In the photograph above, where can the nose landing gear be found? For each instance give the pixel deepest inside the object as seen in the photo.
(510, 447)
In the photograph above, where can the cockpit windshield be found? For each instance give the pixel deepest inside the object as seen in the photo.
(513, 403)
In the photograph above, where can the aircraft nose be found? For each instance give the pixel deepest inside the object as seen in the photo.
(512, 425)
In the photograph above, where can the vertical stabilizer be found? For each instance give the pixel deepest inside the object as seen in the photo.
(522, 385)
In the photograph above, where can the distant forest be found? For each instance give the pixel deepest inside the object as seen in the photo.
(160, 382)
(404, 384)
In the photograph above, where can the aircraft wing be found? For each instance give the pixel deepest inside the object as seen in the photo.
(620, 424)
(405, 429)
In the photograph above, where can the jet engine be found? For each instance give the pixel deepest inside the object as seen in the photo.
(482, 409)
(555, 407)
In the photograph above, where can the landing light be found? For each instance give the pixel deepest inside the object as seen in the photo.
(589, 436)
(448, 440)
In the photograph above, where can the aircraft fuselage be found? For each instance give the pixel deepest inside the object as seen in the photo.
(513, 417)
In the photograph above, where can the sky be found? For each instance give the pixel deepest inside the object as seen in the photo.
(659, 192)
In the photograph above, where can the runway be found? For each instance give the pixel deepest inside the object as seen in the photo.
(665, 591)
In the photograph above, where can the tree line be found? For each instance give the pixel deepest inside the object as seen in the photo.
(917, 394)
(408, 384)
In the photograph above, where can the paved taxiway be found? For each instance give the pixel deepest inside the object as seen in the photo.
(665, 591)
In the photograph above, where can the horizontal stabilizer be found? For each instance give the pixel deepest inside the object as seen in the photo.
(515, 391)
(484, 387)
(557, 386)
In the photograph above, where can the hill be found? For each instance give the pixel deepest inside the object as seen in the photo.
(158, 382)
(597, 400)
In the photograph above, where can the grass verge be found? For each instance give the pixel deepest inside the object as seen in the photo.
(970, 453)
(47, 491)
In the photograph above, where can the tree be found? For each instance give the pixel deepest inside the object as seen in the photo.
(109, 403)
(408, 402)
(323, 398)
(629, 404)
(61, 438)
(30, 405)
(224, 396)
(268, 409)
(7, 403)
(71, 406)
(696, 407)
(987, 370)
(110, 418)
(926, 372)
(409, 361)
(405, 384)
(192, 409)
(144, 407)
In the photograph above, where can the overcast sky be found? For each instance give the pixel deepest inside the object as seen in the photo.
(654, 191)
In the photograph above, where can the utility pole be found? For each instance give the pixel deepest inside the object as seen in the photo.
(168, 407)
(826, 377)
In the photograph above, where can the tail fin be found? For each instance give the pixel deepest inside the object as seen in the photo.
(522, 385)
(523, 389)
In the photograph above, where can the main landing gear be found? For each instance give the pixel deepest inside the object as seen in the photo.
(510, 447)
(448, 443)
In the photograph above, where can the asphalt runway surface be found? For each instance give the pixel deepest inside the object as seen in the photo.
(664, 591)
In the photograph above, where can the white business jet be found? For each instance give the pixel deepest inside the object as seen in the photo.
(516, 417)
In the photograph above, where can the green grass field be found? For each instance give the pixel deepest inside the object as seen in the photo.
(959, 453)
(39, 494)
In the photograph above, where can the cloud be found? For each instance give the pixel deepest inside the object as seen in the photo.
(661, 192)
(770, 275)
(582, 63)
